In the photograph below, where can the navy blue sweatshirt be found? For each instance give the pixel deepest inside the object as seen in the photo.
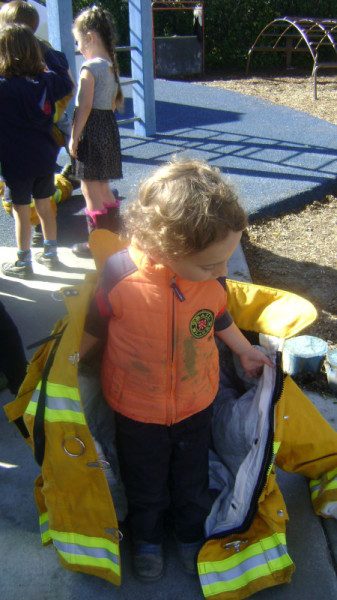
(27, 106)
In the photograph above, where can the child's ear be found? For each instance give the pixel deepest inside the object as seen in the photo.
(92, 36)
(88, 38)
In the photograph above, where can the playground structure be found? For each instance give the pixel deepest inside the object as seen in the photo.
(297, 35)
(59, 18)
(179, 55)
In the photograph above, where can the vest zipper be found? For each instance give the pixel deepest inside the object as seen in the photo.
(267, 458)
(177, 291)
(178, 294)
(172, 332)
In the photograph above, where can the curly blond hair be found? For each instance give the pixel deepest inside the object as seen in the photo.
(181, 209)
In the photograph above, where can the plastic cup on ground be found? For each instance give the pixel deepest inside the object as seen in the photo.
(304, 354)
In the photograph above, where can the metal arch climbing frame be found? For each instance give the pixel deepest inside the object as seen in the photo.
(279, 36)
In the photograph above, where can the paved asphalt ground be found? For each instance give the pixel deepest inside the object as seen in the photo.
(278, 159)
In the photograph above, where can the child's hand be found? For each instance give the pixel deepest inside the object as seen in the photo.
(73, 147)
(252, 361)
(251, 358)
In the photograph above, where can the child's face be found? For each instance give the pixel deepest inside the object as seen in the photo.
(209, 263)
(82, 43)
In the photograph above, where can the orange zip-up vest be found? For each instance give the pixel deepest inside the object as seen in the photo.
(161, 362)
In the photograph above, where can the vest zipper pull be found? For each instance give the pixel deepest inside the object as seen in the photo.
(178, 293)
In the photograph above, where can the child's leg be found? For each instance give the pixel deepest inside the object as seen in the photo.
(189, 475)
(20, 192)
(43, 190)
(144, 456)
(47, 218)
(190, 497)
(92, 192)
(112, 220)
(94, 203)
(109, 198)
(22, 226)
(101, 211)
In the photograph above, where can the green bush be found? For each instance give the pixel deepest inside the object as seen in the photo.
(173, 22)
(231, 27)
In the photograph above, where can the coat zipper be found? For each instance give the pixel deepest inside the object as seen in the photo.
(172, 332)
(267, 458)
(178, 294)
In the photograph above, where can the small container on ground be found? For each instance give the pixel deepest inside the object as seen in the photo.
(304, 354)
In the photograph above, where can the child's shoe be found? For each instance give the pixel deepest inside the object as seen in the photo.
(148, 561)
(22, 270)
(188, 554)
(52, 262)
(82, 249)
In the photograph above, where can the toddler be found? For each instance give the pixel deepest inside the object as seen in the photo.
(162, 302)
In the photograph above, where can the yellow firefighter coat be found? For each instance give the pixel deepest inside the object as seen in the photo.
(246, 551)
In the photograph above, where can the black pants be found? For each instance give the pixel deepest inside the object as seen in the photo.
(165, 467)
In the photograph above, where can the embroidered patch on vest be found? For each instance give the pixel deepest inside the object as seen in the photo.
(201, 323)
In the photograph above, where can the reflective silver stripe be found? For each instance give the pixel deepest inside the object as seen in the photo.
(327, 483)
(86, 550)
(57, 403)
(247, 565)
(62, 404)
(44, 527)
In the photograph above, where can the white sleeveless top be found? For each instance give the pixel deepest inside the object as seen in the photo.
(105, 82)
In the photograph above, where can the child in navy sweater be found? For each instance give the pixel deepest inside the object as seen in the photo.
(28, 152)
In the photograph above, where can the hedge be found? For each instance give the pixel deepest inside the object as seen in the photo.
(231, 26)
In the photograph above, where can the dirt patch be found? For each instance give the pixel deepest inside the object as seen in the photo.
(297, 251)
(295, 91)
